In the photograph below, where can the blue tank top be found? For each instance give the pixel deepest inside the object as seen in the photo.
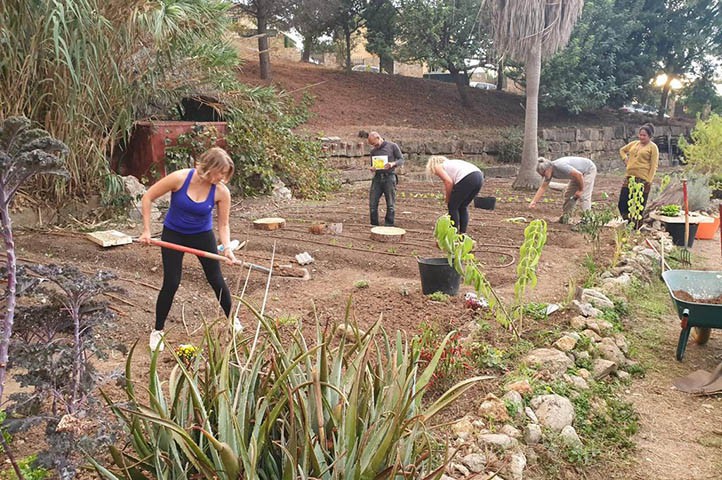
(187, 216)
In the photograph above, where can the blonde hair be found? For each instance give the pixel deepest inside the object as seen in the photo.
(215, 160)
(432, 163)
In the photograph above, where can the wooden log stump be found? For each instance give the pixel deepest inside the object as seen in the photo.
(388, 234)
(270, 223)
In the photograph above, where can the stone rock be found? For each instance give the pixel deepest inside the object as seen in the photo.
(463, 428)
(605, 327)
(574, 335)
(475, 462)
(510, 430)
(446, 477)
(493, 409)
(578, 382)
(517, 464)
(135, 191)
(578, 323)
(531, 415)
(621, 342)
(553, 360)
(498, 440)
(596, 298)
(602, 367)
(348, 331)
(570, 438)
(584, 373)
(583, 356)
(586, 309)
(532, 434)
(609, 350)
(622, 375)
(592, 335)
(459, 468)
(532, 458)
(553, 411)
(566, 343)
(512, 397)
(521, 386)
(648, 252)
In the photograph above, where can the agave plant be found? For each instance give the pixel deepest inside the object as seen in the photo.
(273, 409)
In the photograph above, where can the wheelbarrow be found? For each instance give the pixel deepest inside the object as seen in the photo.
(693, 293)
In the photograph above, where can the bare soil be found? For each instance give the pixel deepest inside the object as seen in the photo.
(688, 297)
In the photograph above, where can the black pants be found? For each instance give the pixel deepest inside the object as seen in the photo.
(383, 183)
(173, 268)
(623, 204)
(461, 196)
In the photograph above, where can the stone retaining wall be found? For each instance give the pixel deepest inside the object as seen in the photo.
(601, 144)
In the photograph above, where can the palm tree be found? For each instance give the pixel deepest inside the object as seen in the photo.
(527, 31)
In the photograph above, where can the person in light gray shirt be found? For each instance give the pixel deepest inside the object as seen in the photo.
(580, 172)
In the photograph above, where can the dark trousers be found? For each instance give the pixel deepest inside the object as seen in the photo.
(461, 196)
(623, 203)
(173, 268)
(383, 183)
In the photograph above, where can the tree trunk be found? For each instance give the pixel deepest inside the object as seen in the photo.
(347, 39)
(264, 57)
(527, 177)
(665, 97)
(307, 45)
(386, 64)
(500, 75)
(462, 83)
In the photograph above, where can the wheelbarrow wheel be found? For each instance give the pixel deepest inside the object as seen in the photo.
(682, 343)
(700, 335)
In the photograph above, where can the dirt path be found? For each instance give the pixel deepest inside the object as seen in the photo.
(680, 436)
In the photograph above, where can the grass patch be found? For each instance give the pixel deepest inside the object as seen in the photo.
(438, 297)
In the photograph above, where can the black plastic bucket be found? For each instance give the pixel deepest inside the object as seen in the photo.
(676, 231)
(487, 203)
(438, 276)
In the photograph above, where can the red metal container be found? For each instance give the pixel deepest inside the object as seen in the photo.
(144, 155)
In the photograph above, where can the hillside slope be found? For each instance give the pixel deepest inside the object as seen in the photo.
(347, 102)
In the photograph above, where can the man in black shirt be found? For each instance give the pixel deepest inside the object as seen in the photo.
(385, 157)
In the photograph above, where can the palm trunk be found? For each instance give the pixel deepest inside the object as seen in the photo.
(665, 97)
(500, 75)
(347, 39)
(264, 57)
(527, 177)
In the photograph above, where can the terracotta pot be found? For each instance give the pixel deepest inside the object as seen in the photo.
(706, 231)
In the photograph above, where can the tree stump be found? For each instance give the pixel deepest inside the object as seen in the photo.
(388, 234)
(271, 223)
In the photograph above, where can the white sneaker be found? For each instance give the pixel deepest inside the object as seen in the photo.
(237, 326)
(156, 340)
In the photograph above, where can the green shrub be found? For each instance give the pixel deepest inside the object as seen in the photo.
(510, 146)
(272, 408)
(704, 154)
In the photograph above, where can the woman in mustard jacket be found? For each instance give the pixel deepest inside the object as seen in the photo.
(642, 159)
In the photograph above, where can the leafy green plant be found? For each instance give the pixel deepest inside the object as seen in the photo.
(511, 144)
(636, 201)
(30, 471)
(592, 224)
(535, 310)
(535, 237)
(279, 407)
(438, 297)
(453, 363)
(670, 210)
(188, 147)
(361, 284)
(704, 153)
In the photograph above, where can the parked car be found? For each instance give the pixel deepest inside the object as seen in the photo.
(482, 85)
(365, 68)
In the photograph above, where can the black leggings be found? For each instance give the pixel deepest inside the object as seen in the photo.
(173, 267)
(461, 196)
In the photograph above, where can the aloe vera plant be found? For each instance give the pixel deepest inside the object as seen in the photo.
(284, 409)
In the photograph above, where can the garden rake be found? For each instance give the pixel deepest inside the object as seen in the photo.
(685, 257)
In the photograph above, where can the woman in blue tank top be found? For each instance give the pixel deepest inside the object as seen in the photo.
(189, 222)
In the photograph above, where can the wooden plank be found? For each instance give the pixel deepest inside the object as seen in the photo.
(388, 234)
(109, 238)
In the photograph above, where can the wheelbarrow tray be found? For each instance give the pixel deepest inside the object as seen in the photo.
(699, 284)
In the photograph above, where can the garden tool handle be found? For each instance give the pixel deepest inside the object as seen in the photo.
(686, 213)
(193, 251)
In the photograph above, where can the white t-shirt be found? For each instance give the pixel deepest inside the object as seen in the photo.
(458, 169)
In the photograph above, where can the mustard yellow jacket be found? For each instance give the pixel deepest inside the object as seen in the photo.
(643, 160)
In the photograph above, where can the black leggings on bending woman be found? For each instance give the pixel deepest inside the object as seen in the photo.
(461, 196)
(173, 268)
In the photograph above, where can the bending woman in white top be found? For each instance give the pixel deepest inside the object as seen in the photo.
(462, 182)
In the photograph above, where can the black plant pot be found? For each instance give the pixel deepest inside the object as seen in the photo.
(676, 231)
(438, 276)
(487, 203)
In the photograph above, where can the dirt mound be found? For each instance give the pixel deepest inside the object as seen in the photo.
(345, 102)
